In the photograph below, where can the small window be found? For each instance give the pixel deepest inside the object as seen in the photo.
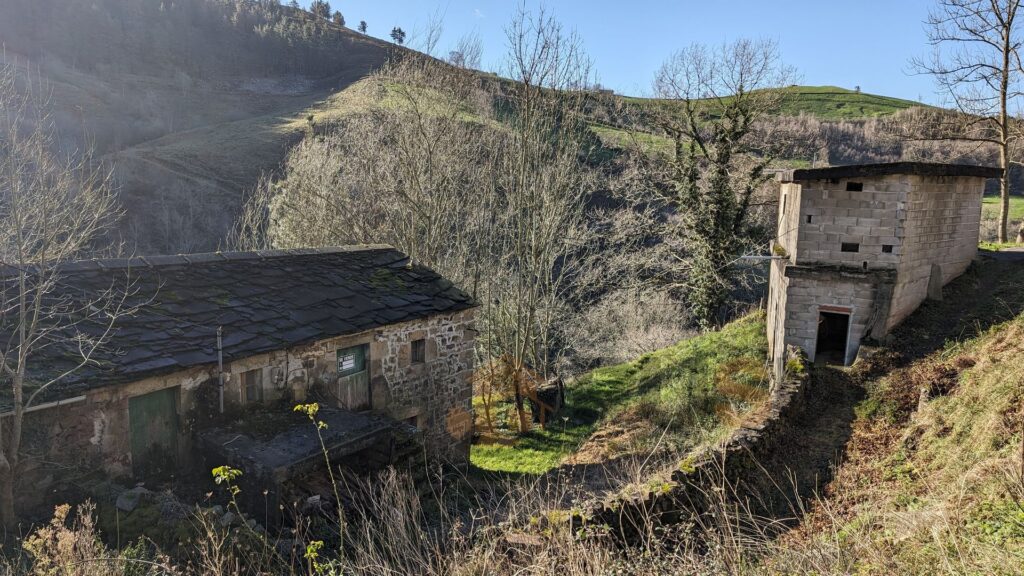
(252, 386)
(419, 351)
(854, 186)
(887, 248)
(351, 360)
(850, 247)
(809, 218)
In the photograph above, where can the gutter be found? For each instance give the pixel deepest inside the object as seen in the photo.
(48, 405)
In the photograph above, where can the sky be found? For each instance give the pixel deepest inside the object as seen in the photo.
(846, 43)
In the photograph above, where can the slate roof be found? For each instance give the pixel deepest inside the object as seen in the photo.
(265, 301)
(886, 169)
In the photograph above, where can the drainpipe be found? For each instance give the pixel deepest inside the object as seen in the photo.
(220, 366)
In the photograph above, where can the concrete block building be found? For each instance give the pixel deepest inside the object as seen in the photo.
(860, 247)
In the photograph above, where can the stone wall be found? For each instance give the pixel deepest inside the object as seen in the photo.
(744, 464)
(92, 433)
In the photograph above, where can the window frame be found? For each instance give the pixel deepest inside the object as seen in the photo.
(418, 351)
(252, 380)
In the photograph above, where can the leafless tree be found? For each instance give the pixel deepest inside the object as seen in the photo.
(499, 205)
(977, 64)
(718, 165)
(468, 53)
(54, 208)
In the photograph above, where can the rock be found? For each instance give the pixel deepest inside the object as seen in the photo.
(129, 500)
(217, 510)
(228, 519)
(172, 510)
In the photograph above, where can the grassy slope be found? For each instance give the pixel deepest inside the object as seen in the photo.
(656, 388)
(935, 486)
(823, 102)
(990, 216)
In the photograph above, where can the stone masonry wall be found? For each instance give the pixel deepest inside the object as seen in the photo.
(93, 433)
(438, 393)
(943, 216)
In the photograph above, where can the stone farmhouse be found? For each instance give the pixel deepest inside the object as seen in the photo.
(384, 345)
(860, 247)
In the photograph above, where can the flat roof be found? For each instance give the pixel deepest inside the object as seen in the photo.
(887, 169)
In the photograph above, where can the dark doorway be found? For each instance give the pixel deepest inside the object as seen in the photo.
(153, 421)
(833, 329)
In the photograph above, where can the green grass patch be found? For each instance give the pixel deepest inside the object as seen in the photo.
(824, 102)
(682, 388)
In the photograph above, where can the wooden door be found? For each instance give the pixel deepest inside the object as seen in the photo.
(354, 378)
(153, 427)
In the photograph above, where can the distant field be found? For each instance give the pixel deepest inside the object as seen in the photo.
(825, 102)
(990, 208)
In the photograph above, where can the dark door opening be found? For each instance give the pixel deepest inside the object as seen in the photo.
(833, 329)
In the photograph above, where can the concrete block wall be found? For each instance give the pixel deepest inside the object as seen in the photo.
(807, 295)
(789, 217)
(868, 217)
(943, 217)
(778, 286)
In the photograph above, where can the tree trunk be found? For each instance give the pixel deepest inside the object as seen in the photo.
(1004, 194)
(7, 516)
(525, 422)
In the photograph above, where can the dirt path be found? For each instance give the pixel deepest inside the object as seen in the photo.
(989, 293)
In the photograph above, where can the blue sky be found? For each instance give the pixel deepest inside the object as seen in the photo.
(846, 43)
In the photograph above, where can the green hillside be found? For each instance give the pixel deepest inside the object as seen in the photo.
(824, 102)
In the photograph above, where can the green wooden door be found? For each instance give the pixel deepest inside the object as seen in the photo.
(153, 419)
(354, 378)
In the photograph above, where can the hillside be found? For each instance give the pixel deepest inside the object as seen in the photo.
(930, 480)
(823, 102)
(191, 101)
(691, 393)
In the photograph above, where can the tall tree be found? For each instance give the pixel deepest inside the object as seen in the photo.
(976, 62)
(321, 9)
(53, 208)
(338, 18)
(398, 35)
(362, 26)
(718, 162)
